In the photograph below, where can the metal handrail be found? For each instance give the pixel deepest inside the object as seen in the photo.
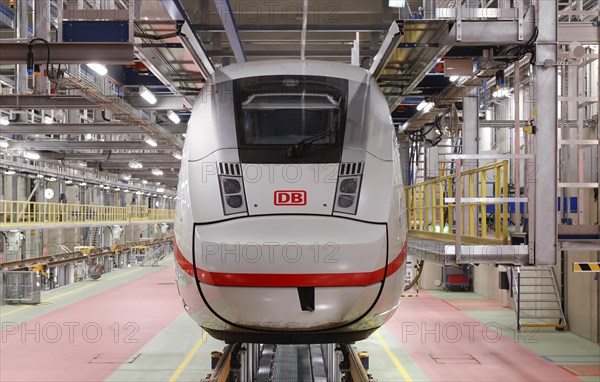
(429, 210)
(19, 213)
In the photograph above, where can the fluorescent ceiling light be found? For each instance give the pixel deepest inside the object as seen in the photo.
(422, 105)
(177, 155)
(135, 165)
(404, 126)
(81, 164)
(9, 171)
(157, 172)
(173, 116)
(160, 189)
(48, 120)
(453, 78)
(125, 190)
(68, 181)
(98, 68)
(4, 145)
(117, 189)
(126, 176)
(428, 107)
(150, 141)
(31, 155)
(397, 3)
(144, 181)
(51, 179)
(147, 95)
(83, 184)
(4, 120)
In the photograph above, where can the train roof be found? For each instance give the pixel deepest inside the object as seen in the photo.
(291, 67)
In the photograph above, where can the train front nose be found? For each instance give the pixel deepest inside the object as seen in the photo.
(290, 272)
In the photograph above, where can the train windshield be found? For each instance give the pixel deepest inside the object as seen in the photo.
(283, 119)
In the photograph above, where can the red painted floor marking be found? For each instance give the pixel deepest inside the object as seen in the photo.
(90, 339)
(442, 340)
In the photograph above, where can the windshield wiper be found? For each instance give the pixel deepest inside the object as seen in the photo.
(296, 150)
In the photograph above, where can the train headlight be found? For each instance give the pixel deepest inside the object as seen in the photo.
(232, 195)
(235, 201)
(346, 199)
(349, 186)
(231, 186)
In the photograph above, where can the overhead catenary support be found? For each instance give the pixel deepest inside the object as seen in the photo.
(228, 20)
(388, 46)
(189, 37)
(304, 28)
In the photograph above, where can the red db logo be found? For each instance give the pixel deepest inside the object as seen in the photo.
(290, 198)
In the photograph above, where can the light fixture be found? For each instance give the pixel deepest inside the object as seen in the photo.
(3, 145)
(147, 95)
(68, 181)
(4, 120)
(144, 181)
(107, 187)
(422, 105)
(126, 190)
(404, 126)
(173, 116)
(40, 176)
(98, 68)
(31, 155)
(126, 176)
(51, 179)
(453, 78)
(501, 93)
(184, 135)
(428, 107)
(83, 184)
(88, 137)
(139, 193)
(81, 163)
(160, 189)
(177, 155)
(135, 164)
(150, 141)
(48, 193)
(10, 171)
(157, 172)
(397, 3)
(48, 120)
(117, 189)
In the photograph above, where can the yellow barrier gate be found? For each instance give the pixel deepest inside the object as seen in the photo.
(431, 206)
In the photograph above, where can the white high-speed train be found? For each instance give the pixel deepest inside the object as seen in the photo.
(290, 223)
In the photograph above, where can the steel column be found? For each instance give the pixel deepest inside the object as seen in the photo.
(545, 140)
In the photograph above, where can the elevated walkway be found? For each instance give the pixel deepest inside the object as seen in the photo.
(20, 215)
(463, 218)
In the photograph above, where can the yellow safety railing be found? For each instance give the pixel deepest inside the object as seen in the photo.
(431, 216)
(19, 213)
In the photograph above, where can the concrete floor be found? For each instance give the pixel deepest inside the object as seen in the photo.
(130, 326)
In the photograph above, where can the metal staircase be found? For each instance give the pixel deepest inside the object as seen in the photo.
(95, 236)
(536, 297)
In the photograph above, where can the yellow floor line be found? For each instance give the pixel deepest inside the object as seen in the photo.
(188, 358)
(395, 360)
(16, 310)
(71, 292)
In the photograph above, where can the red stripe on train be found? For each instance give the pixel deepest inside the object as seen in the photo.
(290, 280)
